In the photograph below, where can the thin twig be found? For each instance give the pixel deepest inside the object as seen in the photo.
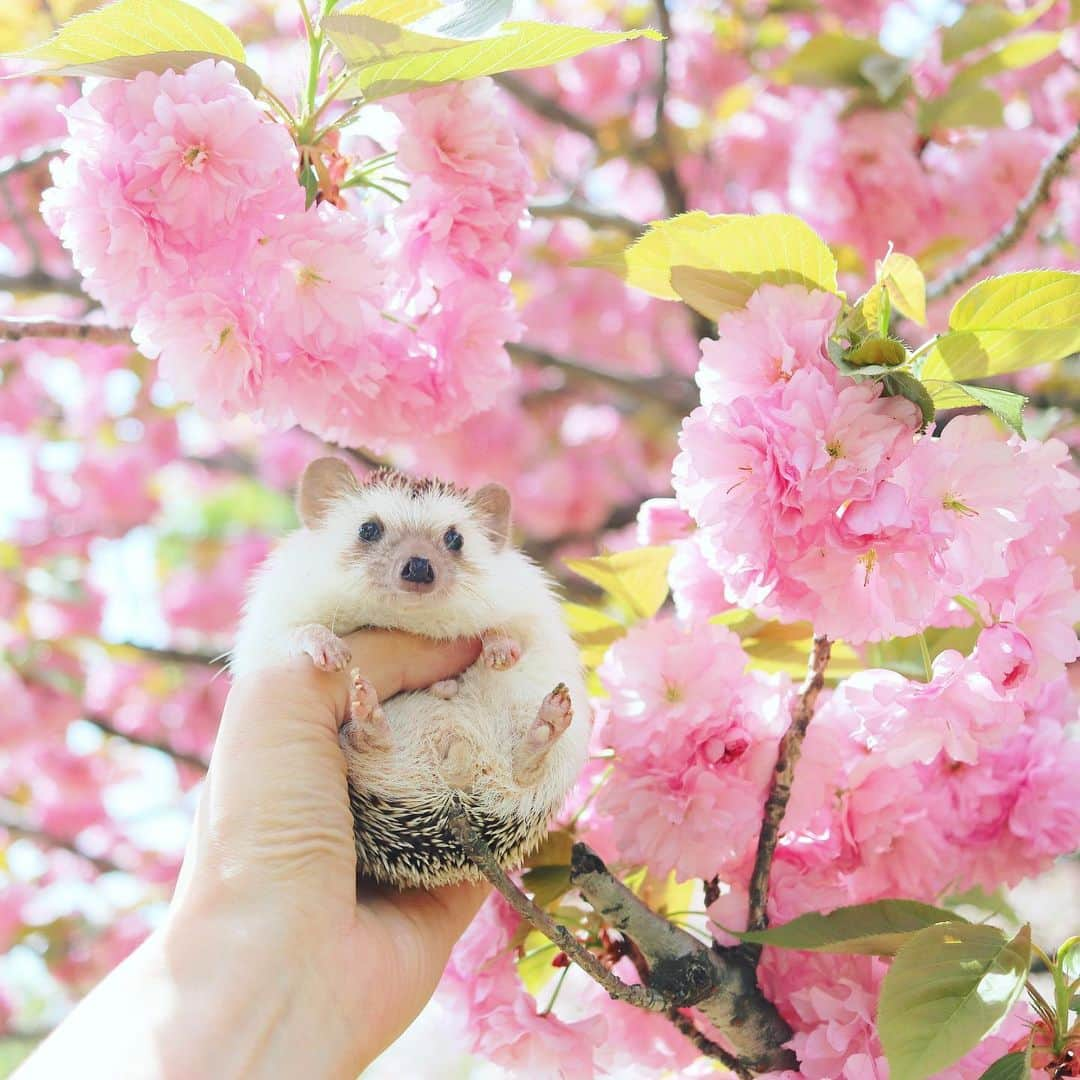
(15, 824)
(685, 1023)
(480, 854)
(1010, 235)
(106, 727)
(596, 219)
(780, 792)
(12, 164)
(17, 329)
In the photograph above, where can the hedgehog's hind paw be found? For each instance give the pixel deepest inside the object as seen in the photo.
(552, 719)
(366, 728)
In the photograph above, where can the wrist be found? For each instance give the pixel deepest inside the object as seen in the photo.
(249, 999)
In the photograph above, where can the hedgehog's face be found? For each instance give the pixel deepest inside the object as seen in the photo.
(416, 543)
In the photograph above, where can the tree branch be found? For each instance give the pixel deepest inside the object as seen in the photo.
(680, 394)
(666, 173)
(783, 774)
(13, 164)
(719, 983)
(596, 219)
(17, 329)
(1010, 235)
(42, 282)
(106, 727)
(176, 656)
(477, 850)
(546, 107)
(18, 825)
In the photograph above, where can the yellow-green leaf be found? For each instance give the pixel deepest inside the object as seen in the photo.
(1021, 52)
(390, 58)
(593, 630)
(534, 968)
(982, 23)
(901, 276)
(636, 579)
(712, 292)
(962, 106)
(948, 986)
(1007, 323)
(130, 36)
(739, 251)
(775, 654)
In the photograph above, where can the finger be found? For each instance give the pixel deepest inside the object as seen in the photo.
(425, 661)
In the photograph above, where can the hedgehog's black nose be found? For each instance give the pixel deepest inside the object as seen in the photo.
(418, 570)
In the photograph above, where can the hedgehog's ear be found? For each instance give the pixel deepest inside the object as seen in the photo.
(324, 480)
(492, 504)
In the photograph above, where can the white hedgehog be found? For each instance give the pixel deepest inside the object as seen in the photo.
(505, 740)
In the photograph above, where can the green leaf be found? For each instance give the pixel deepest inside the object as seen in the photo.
(636, 579)
(903, 384)
(876, 929)
(877, 352)
(833, 59)
(1012, 1066)
(962, 106)
(744, 250)
(905, 284)
(1007, 323)
(554, 851)
(982, 23)
(948, 986)
(1006, 405)
(994, 903)
(129, 36)
(1021, 52)
(546, 883)
(389, 57)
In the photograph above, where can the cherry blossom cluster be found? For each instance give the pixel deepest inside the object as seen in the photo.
(818, 499)
(179, 203)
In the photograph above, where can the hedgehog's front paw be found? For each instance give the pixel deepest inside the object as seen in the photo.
(366, 728)
(327, 651)
(552, 719)
(501, 652)
(456, 762)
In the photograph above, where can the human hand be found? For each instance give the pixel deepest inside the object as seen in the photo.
(267, 964)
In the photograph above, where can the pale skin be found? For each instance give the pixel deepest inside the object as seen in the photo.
(267, 965)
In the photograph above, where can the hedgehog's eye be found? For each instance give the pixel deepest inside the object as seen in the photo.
(370, 531)
(453, 539)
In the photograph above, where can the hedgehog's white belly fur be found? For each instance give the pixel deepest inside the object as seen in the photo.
(492, 712)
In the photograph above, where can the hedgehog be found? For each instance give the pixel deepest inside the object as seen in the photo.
(504, 742)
